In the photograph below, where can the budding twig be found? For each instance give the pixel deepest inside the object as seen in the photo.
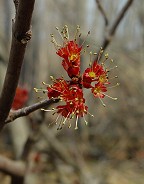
(27, 110)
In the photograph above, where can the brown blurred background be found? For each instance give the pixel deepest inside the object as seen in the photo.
(111, 149)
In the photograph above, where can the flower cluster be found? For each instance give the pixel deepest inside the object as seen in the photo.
(20, 98)
(95, 78)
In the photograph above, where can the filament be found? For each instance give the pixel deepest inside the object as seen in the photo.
(102, 102)
(76, 123)
(47, 110)
(76, 33)
(109, 96)
(59, 33)
(86, 123)
(40, 90)
(85, 38)
(117, 84)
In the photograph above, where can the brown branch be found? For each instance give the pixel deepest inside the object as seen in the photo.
(27, 110)
(20, 36)
(102, 12)
(11, 167)
(16, 2)
(117, 21)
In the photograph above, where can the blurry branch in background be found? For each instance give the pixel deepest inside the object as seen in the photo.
(11, 167)
(27, 110)
(102, 12)
(56, 145)
(112, 29)
(21, 34)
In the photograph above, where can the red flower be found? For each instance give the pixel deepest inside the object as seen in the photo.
(71, 91)
(58, 88)
(95, 73)
(70, 52)
(71, 58)
(20, 98)
(71, 94)
(98, 90)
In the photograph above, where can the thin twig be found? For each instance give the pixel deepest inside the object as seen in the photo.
(27, 110)
(20, 36)
(102, 12)
(117, 21)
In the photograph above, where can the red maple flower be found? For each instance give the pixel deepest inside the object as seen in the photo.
(70, 53)
(96, 73)
(58, 88)
(70, 92)
(98, 90)
(21, 97)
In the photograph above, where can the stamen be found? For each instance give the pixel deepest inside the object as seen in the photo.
(111, 68)
(77, 32)
(66, 119)
(100, 54)
(66, 33)
(55, 121)
(102, 102)
(86, 123)
(69, 125)
(40, 90)
(79, 35)
(106, 58)
(59, 33)
(90, 63)
(117, 84)
(52, 78)
(56, 45)
(89, 113)
(45, 84)
(76, 124)
(85, 38)
(60, 124)
(110, 97)
(47, 110)
(113, 77)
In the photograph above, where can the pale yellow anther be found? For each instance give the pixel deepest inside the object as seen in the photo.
(36, 90)
(106, 55)
(51, 77)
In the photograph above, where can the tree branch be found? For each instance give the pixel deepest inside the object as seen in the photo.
(11, 167)
(117, 21)
(102, 12)
(16, 2)
(21, 34)
(27, 110)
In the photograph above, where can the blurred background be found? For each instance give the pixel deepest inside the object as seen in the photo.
(110, 150)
